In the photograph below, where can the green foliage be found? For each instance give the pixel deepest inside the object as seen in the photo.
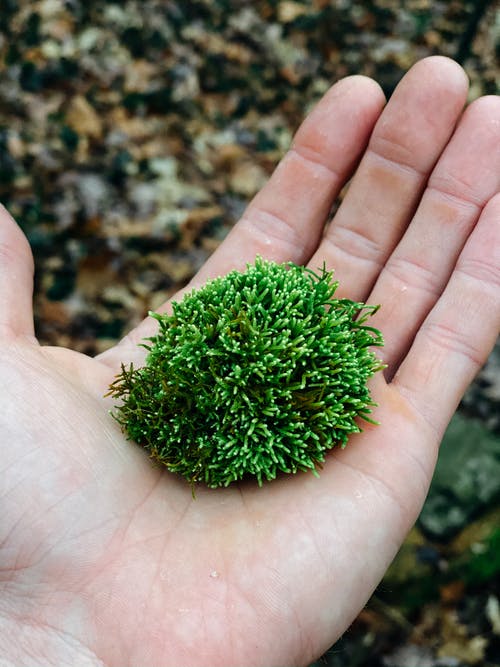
(484, 566)
(257, 372)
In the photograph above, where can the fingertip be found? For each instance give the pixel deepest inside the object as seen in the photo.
(352, 104)
(487, 108)
(16, 278)
(360, 80)
(359, 86)
(10, 232)
(441, 61)
(444, 69)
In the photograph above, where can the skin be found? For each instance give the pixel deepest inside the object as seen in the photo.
(105, 559)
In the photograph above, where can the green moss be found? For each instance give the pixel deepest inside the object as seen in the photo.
(256, 373)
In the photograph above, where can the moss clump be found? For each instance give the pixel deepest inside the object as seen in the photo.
(255, 373)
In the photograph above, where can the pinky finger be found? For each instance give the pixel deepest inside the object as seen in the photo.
(16, 280)
(461, 330)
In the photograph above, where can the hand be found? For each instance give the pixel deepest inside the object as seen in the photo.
(106, 559)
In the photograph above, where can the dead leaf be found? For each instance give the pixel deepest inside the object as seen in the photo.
(83, 118)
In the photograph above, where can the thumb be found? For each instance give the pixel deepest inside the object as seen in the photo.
(16, 280)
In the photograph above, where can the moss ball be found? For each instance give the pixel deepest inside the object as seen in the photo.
(257, 373)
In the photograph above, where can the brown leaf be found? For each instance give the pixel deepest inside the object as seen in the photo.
(83, 118)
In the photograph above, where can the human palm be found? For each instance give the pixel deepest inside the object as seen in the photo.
(105, 559)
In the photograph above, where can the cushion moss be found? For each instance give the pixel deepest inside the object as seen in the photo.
(257, 373)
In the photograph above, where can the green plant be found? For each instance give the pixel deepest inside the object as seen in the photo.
(255, 373)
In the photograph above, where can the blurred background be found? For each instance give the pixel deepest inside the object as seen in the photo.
(132, 136)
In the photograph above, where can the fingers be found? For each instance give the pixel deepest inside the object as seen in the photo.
(465, 178)
(285, 220)
(460, 331)
(406, 143)
(16, 280)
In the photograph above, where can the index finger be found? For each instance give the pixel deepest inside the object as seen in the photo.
(285, 220)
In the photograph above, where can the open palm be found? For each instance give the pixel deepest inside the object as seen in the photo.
(105, 559)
